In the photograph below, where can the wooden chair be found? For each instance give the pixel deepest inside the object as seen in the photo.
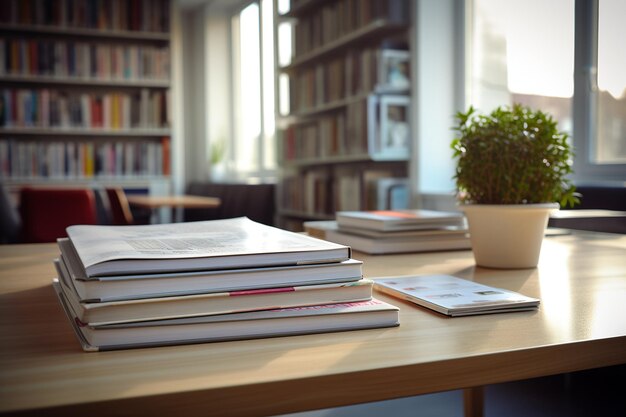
(121, 214)
(47, 212)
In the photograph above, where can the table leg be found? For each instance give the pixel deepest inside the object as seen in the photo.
(473, 401)
(178, 214)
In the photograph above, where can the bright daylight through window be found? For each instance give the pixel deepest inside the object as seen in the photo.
(253, 63)
(523, 51)
(610, 146)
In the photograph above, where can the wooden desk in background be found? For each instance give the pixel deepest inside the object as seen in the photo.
(611, 221)
(155, 202)
(581, 324)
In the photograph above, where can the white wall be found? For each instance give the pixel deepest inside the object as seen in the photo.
(202, 71)
(218, 74)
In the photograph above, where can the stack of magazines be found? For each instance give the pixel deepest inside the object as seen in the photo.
(154, 285)
(394, 231)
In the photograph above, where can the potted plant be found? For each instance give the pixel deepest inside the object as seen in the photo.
(217, 156)
(512, 169)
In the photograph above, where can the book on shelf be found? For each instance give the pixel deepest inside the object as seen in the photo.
(393, 220)
(194, 246)
(257, 324)
(204, 304)
(346, 77)
(335, 21)
(84, 158)
(159, 284)
(454, 296)
(375, 242)
(82, 61)
(56, 109)
(110, 15)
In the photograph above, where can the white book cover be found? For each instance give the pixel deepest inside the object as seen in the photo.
(454, 296)
(125, 287)
(319, 228)
(392, 220)
(205, 245)
(405, 244)
(249, 325)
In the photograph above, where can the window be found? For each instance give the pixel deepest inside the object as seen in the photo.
(254, 149)
(523, 52)
(610, 146)
(527, 51)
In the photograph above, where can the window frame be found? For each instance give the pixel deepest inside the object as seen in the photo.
(585, 105)
(585, 97)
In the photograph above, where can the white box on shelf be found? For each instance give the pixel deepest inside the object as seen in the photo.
(390, 131)
(394, 71)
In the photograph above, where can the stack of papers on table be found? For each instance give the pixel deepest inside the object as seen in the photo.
(134, 286)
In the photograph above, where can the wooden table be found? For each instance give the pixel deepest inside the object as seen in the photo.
(590, 219)
(581, 324)
(155, 202)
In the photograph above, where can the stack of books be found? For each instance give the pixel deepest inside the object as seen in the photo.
(394, 231)
(155, 285)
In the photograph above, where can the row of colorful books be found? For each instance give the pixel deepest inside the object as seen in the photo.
(344, 77)
(84, 158)
(395, 231)
(374, 125)
(322, 191)
(50, 108)
(334, 20)
(152, 285)
(35, 57)
(135, 15)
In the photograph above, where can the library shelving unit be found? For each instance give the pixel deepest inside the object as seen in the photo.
(84, 93)
(346, 134)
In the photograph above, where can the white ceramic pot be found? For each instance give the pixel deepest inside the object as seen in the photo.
(507, 236)
(218, 173)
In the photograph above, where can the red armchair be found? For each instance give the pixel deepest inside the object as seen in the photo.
(46, 212)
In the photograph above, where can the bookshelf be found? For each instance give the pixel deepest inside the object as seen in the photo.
(347, 129)
(85, 93)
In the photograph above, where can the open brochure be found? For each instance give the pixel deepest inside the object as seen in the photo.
(205, 245)
(454, 296)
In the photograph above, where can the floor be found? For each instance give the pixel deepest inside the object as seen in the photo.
(588, 393)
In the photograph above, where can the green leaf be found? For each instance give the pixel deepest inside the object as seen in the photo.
(513, 155)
